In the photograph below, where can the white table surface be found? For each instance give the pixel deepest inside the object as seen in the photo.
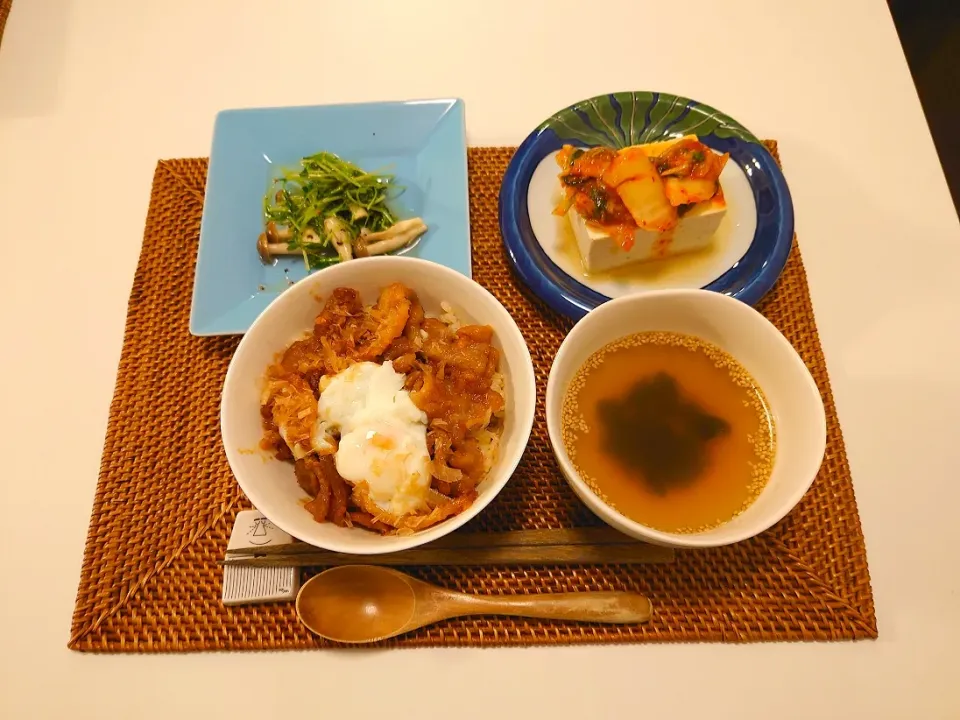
(93, 92)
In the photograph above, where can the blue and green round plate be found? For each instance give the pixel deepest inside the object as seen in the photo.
(749, 248)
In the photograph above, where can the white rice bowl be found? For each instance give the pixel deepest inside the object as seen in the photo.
(270, 484)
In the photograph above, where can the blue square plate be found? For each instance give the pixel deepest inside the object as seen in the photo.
(422, 143)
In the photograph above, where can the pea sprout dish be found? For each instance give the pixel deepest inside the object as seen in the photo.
(330, 211)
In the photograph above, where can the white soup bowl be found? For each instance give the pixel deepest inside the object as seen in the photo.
(758, 346)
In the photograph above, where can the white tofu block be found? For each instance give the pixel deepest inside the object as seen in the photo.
(694, 231)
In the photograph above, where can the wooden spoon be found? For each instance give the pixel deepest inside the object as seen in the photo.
(365, 603)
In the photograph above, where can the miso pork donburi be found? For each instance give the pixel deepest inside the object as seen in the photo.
(390, 418)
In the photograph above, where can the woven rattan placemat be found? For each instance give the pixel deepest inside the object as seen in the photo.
(166, 501)
(4, 14)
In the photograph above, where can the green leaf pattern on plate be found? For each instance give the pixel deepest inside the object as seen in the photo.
(643, 117)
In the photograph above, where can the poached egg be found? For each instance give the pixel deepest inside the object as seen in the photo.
(383, 435)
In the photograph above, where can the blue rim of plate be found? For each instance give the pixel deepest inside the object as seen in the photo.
(628, 118)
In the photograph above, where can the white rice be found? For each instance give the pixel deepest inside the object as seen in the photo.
(449, 317)
(499, 385)
(489, 441)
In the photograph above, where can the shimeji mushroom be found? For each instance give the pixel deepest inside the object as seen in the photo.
(394, 237)
(276, 235)
(273, 242)
(339, 235)
(268, 250)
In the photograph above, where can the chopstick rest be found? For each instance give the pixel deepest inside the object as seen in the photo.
(249, 585)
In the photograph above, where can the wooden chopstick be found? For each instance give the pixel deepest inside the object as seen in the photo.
(566, 536)
(519, 547)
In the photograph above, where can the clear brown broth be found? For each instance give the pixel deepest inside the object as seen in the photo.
(670, 430)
